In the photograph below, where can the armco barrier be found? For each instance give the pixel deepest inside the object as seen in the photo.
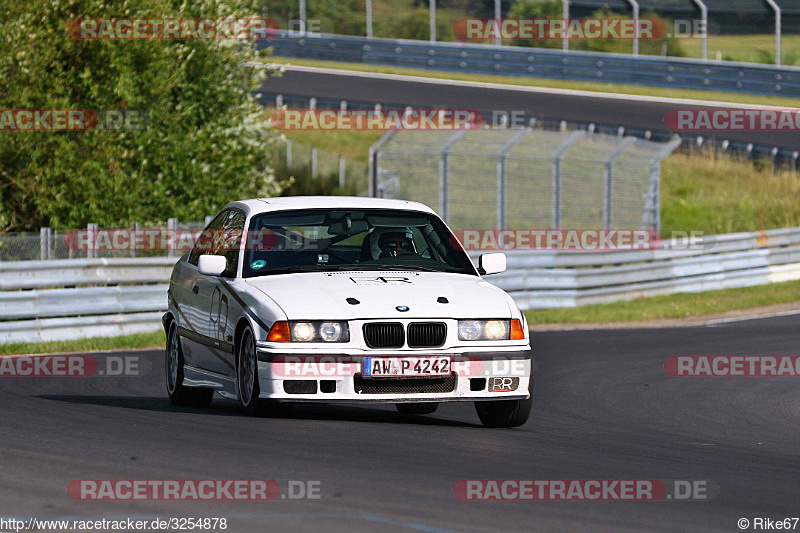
(69, 299)
(654, 71)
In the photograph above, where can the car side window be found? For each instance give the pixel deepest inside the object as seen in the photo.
(230, 240)
(205, 242)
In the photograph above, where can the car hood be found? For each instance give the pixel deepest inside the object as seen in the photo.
(323, 295)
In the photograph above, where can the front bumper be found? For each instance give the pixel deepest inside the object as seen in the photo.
(476, 376)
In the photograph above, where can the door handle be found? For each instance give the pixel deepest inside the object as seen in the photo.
(195, 289)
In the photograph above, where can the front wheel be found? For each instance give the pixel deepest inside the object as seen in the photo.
(180, 394)
(417, 408)
(504, 413)
(247, 380)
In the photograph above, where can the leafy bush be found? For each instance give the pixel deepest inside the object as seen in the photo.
(205, 142)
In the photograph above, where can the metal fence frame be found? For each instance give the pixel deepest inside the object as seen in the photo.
(651, 209)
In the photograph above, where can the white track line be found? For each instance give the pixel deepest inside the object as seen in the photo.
(712, 323)
(521, 88)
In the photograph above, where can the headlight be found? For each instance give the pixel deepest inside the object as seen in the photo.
(328, 331)
(491, 330)
(303, 332)
(470, 330)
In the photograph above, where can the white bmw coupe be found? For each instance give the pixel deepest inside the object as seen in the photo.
(337, 299)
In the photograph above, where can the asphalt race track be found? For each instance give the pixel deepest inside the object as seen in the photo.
(604, 409)
(613, 111)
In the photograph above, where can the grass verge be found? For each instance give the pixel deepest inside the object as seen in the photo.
(672, 306)
(642, 90)
(127, 342)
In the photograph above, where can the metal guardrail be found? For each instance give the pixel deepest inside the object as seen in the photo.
(69, 299)
(655, 71)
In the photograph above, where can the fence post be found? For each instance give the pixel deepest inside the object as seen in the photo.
(44, 244)
(556, 186)
(313, 161)
(288, 153)
(635, 6)
(497, 40)
(433, 20)
(369, 19)
(172, 229)
(91, 229)
(444, 170)
(565, 43)
(608, 177)
(341, 171)
(777, 10)
(502, 178)
(372, 169)
(704, 22)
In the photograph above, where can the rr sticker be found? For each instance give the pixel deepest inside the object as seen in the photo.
(503, 384)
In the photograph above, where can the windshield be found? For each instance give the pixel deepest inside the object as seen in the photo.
(313, 240)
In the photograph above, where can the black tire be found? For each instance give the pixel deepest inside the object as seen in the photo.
(247, 380)
(179, 394)
(417, 408)
(503, 413)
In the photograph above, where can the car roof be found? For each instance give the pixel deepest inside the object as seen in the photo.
(282, 203)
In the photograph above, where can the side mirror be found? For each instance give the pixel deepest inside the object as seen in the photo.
(492, 263)
(212, 265)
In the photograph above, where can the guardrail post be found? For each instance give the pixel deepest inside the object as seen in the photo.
(556, 186)
(608, 176)
(444, 170)
(372, 169)
(502, 178)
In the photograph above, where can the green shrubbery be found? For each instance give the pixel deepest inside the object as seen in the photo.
(206, 138)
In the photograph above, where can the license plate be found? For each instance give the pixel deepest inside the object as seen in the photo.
(391, 367)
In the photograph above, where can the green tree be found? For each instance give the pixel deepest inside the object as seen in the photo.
(205, 142)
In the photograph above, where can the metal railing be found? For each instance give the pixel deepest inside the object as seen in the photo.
(544, 63)
(69, 299)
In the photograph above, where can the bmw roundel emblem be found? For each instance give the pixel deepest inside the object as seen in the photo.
(402, 308)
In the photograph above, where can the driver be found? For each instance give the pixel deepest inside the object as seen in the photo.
(391, 242)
